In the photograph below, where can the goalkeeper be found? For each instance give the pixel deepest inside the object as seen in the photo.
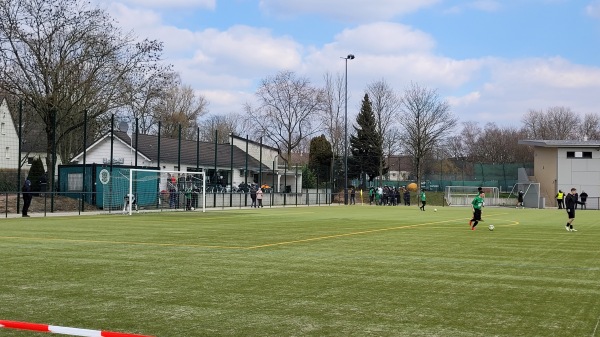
(476, 204)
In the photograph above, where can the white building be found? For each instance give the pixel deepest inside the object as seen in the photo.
(33, 143)
(223, 164)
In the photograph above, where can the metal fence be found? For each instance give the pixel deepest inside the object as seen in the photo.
(49, 203)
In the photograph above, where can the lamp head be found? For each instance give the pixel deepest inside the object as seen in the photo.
(350, 57)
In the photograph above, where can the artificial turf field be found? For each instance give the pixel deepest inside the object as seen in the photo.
(305, 271)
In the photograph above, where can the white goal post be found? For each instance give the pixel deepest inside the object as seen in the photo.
(464, 195)
(531, 195)
(153, 189)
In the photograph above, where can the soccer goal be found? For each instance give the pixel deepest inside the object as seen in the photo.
(464, 195)
(135, 190)
(531, 195)
(165, 190)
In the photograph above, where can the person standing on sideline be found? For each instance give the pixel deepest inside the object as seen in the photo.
(27, 196)
(520, 199)
(583, 197)
(259, 197)
(406, 197)
(352, 195)
(423, 198)
(570, 202)
(253, 191)
(560, 199)
(476, 205)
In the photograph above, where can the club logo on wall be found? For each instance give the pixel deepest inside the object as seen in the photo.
(104, 176)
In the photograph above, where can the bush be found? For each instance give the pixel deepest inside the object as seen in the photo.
(36, 172)
(8, 181)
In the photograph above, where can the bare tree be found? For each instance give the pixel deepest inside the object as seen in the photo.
(62, 57)
(144, 101)
(288, 107)
(470, 135)
(180, 107)
(333, 112)
(224, 125)
(590, 127)
(455, 147)
(385, 105)
(557, 123)
(427, 121)
(333, 115)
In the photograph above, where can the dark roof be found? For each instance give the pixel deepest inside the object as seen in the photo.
(561, 143)
(148, 146)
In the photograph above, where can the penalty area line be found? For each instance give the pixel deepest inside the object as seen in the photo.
(335, 236)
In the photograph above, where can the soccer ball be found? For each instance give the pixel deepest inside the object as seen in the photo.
(192, 208)
(491, 227)
(435, 209)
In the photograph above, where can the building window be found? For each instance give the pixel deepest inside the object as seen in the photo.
(75, 182)
(6, 154)
(30, 160)
(579, 155)
(2, 128)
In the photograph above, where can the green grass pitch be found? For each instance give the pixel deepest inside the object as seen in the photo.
(306, 271)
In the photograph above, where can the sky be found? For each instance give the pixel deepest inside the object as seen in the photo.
(493, 61)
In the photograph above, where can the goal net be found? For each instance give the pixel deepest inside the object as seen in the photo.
(464, 195)
(531, 195)
(135, 190)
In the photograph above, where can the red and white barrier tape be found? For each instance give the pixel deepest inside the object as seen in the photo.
(63, 330)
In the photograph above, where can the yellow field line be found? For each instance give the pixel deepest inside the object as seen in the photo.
(240, 247)
(349, 234)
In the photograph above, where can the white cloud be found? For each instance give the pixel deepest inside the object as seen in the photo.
(593, 9)
(386, 38)
(515, 86)
(479, 5)
(354, 10)
(466, 100)
(392, 51)
(252, 49)
(549, 73)
(248, 46)
(226, 65)
(486, 5)
(133, 18)
(171, 4)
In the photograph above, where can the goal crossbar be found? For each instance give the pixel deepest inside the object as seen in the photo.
(464, 195)
(176, 186)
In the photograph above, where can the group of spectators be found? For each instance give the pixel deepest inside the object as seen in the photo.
(183, 185)
(560, 199)
(389, 196)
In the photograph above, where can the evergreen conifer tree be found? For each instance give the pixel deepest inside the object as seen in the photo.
(320, 157)
(366, 146)
(35, 173)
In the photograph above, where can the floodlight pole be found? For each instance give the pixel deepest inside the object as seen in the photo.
(349, 57)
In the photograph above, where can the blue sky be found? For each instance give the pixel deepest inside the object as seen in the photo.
(492, 60)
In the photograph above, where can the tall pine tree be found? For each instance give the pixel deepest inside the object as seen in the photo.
(320, 157)
(366, 146)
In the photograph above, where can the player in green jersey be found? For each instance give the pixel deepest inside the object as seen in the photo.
(477, 204)
(423, 198)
